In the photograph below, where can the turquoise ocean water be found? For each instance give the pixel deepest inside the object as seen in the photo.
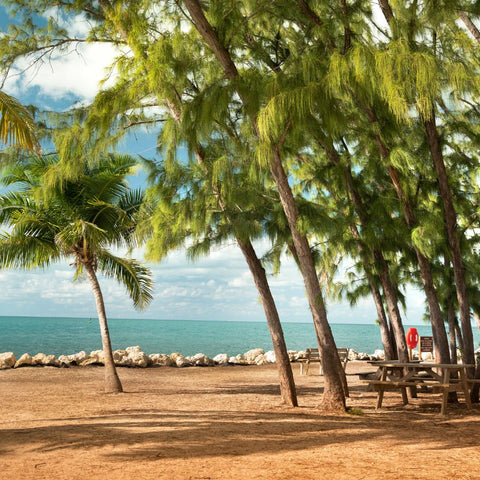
(59, 336)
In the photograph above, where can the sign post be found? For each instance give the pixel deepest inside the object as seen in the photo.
(426, 346)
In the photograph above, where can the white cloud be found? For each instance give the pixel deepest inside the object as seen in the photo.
(77, 26)
(77, 74)
(244, 280)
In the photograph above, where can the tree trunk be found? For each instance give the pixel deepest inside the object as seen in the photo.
(287, 383)
(385, 333)
(458, 335)
(450, 308)
(474, 397)
(334, 375)
(387, 11)
(438, 326)
(112, 382)
(470, 25)
(392, 306)
(453, 240)
(436, 317)
(335, 382)
(475, 391)
(383, 270)
(451, 331)
(387, 341)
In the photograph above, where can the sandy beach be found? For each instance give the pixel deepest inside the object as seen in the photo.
(222, 423)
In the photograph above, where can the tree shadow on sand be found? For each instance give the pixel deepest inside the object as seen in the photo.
(159, 434)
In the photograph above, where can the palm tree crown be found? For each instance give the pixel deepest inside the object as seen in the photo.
(78, 218)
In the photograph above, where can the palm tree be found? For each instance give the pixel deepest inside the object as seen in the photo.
(77, 219)
(16, 124)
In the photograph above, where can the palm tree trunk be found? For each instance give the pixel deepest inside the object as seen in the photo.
(334, 375)
(112, 382)
(287, 383)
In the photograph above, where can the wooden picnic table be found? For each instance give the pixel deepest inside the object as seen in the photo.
(444, 378)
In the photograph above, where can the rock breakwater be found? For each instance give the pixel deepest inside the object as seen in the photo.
(134, 357)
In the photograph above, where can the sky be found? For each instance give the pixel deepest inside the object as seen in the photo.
(218, 287)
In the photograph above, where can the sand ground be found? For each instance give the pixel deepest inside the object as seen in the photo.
(222, 423)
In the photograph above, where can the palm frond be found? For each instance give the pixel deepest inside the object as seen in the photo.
(16, 124)
(26, 252)
(136, 278)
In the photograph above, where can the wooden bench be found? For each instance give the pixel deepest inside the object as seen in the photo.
(385, 384)
(312, 355)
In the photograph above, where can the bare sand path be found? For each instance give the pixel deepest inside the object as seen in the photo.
(221, 423)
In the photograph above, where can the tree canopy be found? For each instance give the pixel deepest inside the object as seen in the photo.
(339, 130)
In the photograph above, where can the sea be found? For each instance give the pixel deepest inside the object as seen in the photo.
(66, 335)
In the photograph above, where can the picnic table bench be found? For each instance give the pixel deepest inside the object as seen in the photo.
(312, 355)
(399, 376)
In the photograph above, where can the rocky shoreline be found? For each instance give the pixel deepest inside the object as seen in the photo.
(134, 357)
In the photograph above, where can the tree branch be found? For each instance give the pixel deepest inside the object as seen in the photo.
(470, 25)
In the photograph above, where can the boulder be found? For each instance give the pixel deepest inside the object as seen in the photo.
(160, 359)
(25, 360)
(65, 361)
(379, 355)
(260, 360)
(292, 355)
(201, 360)
(221, 358)
(136, 357)
(7, 360)
(363, 356)
(251, 355)
(270, 356)
(75, 358)
(120, 357)
(45, 360)
(96, 357)
(238, 360)
(352, 355)
(179, 360)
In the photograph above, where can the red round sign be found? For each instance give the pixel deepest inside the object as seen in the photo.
(412, 337)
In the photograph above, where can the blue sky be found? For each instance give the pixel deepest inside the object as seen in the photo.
(219, 287)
